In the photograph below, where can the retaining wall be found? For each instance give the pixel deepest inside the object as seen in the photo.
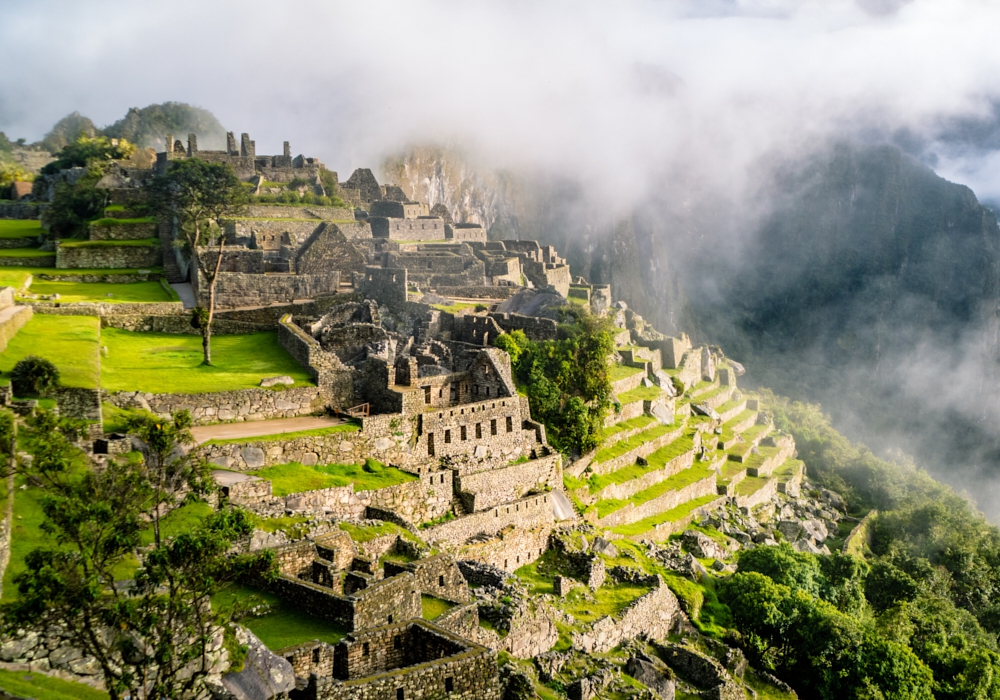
(109, 256)
(239, 405)
(671, 499)
(650, 616)
(530, 512)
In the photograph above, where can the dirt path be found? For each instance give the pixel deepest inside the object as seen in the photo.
(234, 431)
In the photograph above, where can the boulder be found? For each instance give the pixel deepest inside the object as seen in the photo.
(662, 412)
(16, 648)
(602, 546)
(707, 365)
(737, 368)
(815, 530)
(582, 688)
(254, 457)
(703, 546)
(791, 529)
(646, 383)
(284, 380)
(653, 674)
(265, 674)
(703, 409)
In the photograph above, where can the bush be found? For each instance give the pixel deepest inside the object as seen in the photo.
(34, 376)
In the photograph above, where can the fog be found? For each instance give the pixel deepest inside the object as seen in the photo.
(612, 93)
(630, 101)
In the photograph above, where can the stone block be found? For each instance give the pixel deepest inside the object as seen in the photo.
(284, 380)
(253, 457)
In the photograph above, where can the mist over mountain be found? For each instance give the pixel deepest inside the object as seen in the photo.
(853, 276)
(147, 127)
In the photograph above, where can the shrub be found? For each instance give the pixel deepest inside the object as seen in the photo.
(34, 376)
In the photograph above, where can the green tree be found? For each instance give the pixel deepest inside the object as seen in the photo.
(34, 376)
(194, 194)
(87, 151)
(153, 638)
(74, 205)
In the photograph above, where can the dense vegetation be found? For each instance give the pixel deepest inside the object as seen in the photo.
(912, 615)
(566, 380)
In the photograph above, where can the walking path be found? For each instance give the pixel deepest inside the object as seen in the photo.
(234, 431)
(186, 294)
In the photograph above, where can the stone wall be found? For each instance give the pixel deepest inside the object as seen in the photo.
(470, 674)
(650, 616)
(328, 249)
(35, 261)
(529, 512)
(629, 488)
(385, 285)
(109, 310)
(429, 228)
(761, 495)
(311, 657)
(22, 210)
(18, 243)
(263, 211)
(382, 602)
(239, 405)
(109, 278)
(487, 489)
(103, 230)
(177, 324)
(335, 379)
(534, 327)
(84, 404)
(510, 549)
(438, 576)
(487, 431)
(236, 289)
(109, 256)
(462, 620)
(477, 292)
(13, 323)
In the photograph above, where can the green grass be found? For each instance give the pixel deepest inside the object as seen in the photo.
(115, 418)
(25, 253)
(39, 687)
(640, 393)
(642, 421)
(457, 306)
(751, 485)
(137, 243)
(728, 428)
(366, 533)
(702, 398)
(763, 454)
(619, 448)
(164, 363)
(667, 516)
(787, 470)
(434, 608)
(676, 482)
(20, 228)
(609, 600)
(15, 277)
(102, 291)
(70, 342)
(617, 372)
(292, 525)
(284, 625)
(315, 432)
(26, 534)
(122, 222)
(659, 459)
(296, 478)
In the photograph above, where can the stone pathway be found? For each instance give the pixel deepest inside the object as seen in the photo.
(234, 431)
(185, 292)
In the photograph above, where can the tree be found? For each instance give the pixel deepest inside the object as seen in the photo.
(194, 193)
(74, 205)
(89, 150)
(153, 638)
(34, 376)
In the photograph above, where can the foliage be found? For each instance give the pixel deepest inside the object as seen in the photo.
(34, 376)
(567, 380)
(11, 173)
(89, 152)
(74, 205)
(148, 125)
(296, 478)
(66, 131)
(156, 634)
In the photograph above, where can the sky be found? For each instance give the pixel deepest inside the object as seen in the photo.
(612, 93)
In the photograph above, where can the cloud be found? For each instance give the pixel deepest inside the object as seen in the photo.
(611, 93)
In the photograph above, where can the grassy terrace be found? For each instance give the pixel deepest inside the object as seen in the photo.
(122, 222)
(667, 516)
(728, 428)
(20, 228)
(617, 372)
(22, 684)
(367, 533)
(751, 485)
(701, 398)
(296, 478)
(103, 291)
(787, 470)
(642, 421)
(731, 469)
(620, 448)
(315, 432)
(731, 404)
(16, 277)
(25, 253)
(284, 625)
(764, 453)
(138, 243)
(70, 342)
(655, 462)
(164, 363)
(640, 393)
(676, 482)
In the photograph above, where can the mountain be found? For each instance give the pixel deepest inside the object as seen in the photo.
(148, 126)
(67, 130)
